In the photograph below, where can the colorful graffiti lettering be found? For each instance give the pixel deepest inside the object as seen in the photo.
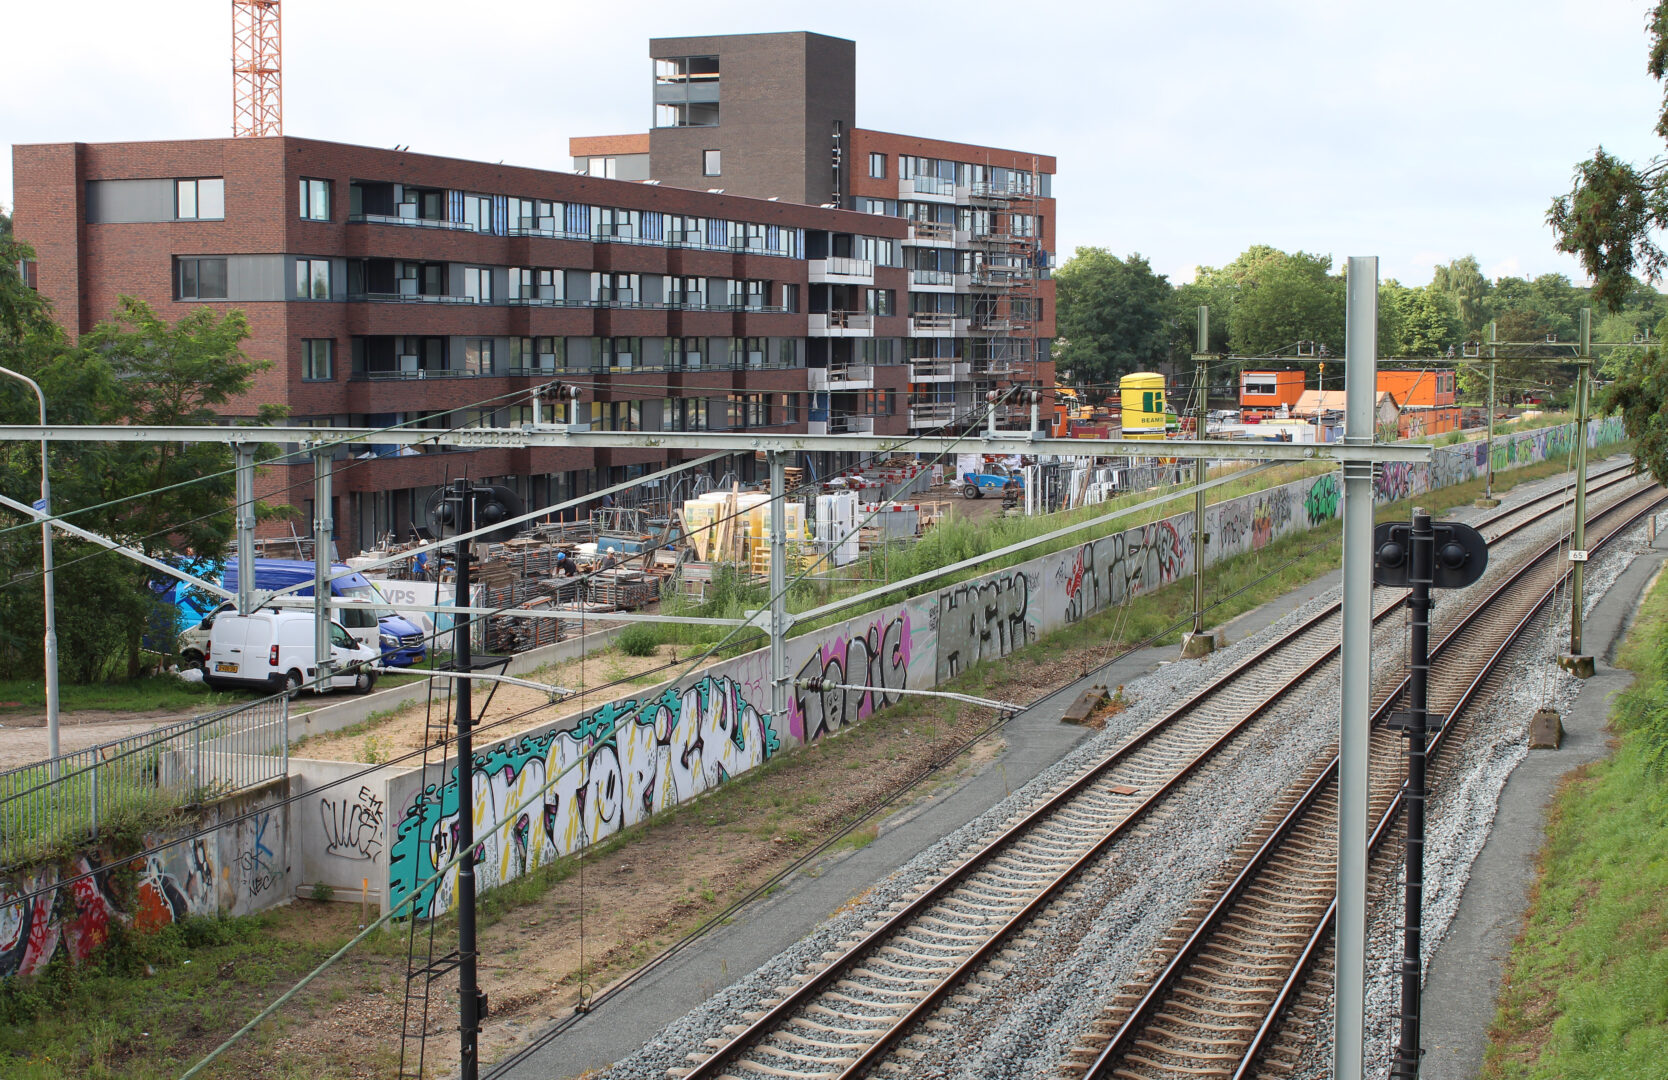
(620, 765)
(1321, 504)
(878, 660)
(1393, 481)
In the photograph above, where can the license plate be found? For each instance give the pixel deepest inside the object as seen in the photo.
(225, 665)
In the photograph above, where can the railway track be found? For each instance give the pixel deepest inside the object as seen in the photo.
(850, 1017)
(1249, 953)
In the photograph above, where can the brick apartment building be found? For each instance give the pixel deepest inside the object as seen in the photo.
(387, 285)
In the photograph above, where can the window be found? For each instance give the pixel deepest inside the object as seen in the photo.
(748, 294)
(747, 352)
(615, 222)
(477, 212)
(618, 353)
(534, 216)
(1259, 383)
(614, 288)
(534, 285)
(202, 279)
(686, 292)
(199, 200)
(790, 297)
(880, 301)
(709, 163)
(318, 360)
(312, 279)
(528, 354)
(877, 166)
(477, 284)
(686, 91)
(788, 406)
(477, 356)
(684, 352)
(315, 200)
(686, 230)
(788, 352)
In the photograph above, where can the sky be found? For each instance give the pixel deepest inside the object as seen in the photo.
(1185, 131)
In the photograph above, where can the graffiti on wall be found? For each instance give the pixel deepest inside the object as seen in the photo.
(876, 658)
(1108, 571)
(983, 619)
(623, 763)
(352, 827)
(1321, 503)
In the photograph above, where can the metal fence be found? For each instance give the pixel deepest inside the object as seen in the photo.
(51, 806)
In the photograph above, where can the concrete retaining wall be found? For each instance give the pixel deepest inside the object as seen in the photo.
(236, 869)
(682, 738)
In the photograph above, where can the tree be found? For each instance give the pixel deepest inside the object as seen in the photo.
(1463, 281)
(135, 369)
(1113, 316)
(1281, 299)
(1640, 393)
(5, 224)
(1608, 217)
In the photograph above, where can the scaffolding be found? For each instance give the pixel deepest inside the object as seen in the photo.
(1007, 265)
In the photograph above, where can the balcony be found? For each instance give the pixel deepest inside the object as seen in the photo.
(934, 414)
(931, 232)
(930, 188)
(939, 370)
(840, 271)
(410, 220)
(851, 425)
(851, 377)
(1000, 277)
(937, 324)
(411, 298)
(840, 324)
(933, 280)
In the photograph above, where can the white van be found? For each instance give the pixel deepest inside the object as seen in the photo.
(273, 648)
(361, 620)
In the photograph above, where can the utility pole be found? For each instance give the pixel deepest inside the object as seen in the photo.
(1575, 661)
(323, 527)
(1488, 501)
(472, 1005)
(244, 460)
(1197, 642)
(779, 688)
(1360, 375)
(49, 646)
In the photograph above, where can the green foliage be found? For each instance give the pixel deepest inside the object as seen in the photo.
(1112, 316)
(1417, 322)
(322, 893)
(1640, 393)
(639, 639)
(1584, 995)
(138, 370)
(1462, 281)
(1613, 206)
(1279, 299)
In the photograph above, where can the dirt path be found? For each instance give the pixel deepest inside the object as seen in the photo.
(23, 738)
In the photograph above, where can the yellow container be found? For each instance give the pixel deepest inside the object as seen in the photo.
(1142, 396)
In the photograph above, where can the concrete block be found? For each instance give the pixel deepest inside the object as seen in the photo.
(1579, 666)
(1201, 644)
(1546, 730)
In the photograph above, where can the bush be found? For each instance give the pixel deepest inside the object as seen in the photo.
(638, 640)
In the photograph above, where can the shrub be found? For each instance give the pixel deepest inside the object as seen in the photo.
(639, 640)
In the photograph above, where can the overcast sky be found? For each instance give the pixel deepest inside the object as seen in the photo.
(1418, 131)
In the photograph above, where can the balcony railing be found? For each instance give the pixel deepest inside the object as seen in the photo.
(408, 374)
(851, 376)
(412, 298)
(417, 222)
(936, 231)
(840, 321)
(919, 278)
(851, 425)
(937, 369)
(928, 185)
(934, 413)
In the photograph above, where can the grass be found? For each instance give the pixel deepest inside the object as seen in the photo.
(157, 693)
(150, 1002)
(1586, 992)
